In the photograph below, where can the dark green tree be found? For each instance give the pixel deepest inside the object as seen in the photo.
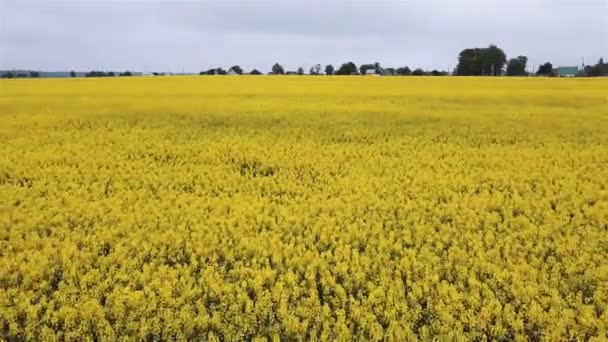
(517, 66)
(389, 72)
(545, 69)
(348, 68)
(277, 69)
(404, 71)
(237, 69)
(329, 69)
(470, 62)
(72, 73)
(96, 74)
(600, 69)
(418, 72)
(216, 71)
(494, 60)
(603, 67)
(481, 61)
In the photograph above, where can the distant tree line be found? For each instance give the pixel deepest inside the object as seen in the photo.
(490, 61)
(12, 74)
(348, 68)
(102, 74)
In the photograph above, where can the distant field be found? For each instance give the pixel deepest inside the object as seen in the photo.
(304, 208)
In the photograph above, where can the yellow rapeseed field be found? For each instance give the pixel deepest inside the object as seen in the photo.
(304, 208)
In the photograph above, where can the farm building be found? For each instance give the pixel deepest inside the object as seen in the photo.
(371, 72)
(567, 71)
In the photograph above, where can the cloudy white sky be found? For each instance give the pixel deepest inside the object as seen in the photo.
(197, 35)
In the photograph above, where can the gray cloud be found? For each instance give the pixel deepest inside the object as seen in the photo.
(197, 35)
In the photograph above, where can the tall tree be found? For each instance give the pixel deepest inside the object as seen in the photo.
(481, 61)
(72, 73)
(545, 69)
(494, 59)
(470, 62)
(277, 69)
(329, 69)
(517, 66)
(348, 68)
(600, 69)
(603, 66)
(300, 71)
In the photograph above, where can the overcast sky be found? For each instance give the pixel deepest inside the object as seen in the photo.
(197, 35)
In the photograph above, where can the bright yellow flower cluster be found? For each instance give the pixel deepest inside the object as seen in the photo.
(304, 208)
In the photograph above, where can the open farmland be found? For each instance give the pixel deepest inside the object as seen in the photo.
(303, 208)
